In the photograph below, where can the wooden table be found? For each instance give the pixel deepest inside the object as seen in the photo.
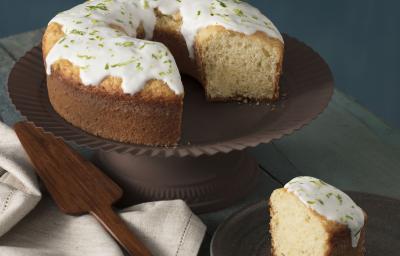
(346, 145)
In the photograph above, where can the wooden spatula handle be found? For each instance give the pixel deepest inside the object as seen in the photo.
(113, 223)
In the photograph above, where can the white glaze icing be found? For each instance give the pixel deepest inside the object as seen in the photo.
(329, 202)
(102, 51)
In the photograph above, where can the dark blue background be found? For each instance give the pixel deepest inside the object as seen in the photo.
(359, 39)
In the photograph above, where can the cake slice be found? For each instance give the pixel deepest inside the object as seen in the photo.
(310, 217)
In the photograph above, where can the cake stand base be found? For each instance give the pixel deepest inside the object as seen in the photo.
(206, 183)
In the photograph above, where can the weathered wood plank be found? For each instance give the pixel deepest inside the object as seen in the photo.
(275, 162)
(7, 112)
(11, 49)
(346, 146)
(387, 134)
(17, 45)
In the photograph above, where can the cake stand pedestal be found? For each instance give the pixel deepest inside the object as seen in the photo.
(209, 168)
(206, 183)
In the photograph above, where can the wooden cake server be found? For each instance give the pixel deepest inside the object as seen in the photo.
(76, 185)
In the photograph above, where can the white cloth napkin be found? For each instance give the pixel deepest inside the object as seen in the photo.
(167, 228)
(19, 191)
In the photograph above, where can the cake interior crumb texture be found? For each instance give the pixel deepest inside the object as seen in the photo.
(236, 66)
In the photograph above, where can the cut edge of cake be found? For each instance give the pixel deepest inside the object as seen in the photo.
(228, 60)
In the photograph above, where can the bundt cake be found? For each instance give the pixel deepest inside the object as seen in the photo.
(312, 218)
(104, 76)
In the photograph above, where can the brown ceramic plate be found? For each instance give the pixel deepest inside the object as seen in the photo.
(246, 232)
(208, 128)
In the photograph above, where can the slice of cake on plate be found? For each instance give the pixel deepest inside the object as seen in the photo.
(310, 217)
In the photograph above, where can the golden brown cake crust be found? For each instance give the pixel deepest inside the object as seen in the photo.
(150, 117)
(121, 117)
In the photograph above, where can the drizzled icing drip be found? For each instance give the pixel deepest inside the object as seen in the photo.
(330, 202)
(100, 50)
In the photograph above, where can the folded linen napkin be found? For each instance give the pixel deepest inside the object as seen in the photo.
(19, 191)
(167, 227)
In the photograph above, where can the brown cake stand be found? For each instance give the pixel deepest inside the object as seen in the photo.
(209, 168)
